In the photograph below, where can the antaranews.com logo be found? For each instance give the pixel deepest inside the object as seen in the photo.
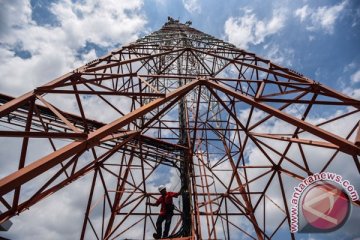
(319, 205)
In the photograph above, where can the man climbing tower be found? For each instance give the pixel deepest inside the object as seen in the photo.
(166, 211)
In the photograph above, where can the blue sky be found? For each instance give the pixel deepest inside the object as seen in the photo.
(320, 39)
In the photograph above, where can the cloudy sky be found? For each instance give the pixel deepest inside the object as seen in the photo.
(41, 40)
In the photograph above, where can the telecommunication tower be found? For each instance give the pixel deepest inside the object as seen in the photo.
(237, 131)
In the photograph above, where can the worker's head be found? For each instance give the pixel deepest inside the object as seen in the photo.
(162, 189)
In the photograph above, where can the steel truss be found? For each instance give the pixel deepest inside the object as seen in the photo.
(251, 129)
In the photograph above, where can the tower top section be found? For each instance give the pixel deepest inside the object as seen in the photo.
(174, 34)
(174, 21)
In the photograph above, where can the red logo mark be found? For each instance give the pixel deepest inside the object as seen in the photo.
(325, 206)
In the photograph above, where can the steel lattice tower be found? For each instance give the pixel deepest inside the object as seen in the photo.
(237, 130)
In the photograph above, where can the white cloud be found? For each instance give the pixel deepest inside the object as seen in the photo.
(321, 18)
(349, 66)
(352, 92)
(14, 14)
(282, 56)
(101, 22)
(54, 50)
(248, 29)
(355, 78)
(192, 6)
(328, 15)
(302, 13)
(356, 18)
(161, 2)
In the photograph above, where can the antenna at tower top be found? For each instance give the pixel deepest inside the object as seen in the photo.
(172, 20)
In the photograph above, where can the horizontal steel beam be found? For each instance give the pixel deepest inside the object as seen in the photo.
(344, 145)
(43, 134)
(114, 93)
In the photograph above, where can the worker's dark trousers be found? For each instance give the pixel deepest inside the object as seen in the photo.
(159, 222)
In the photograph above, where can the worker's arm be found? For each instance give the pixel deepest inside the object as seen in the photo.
(179, 193)
(155, 204)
